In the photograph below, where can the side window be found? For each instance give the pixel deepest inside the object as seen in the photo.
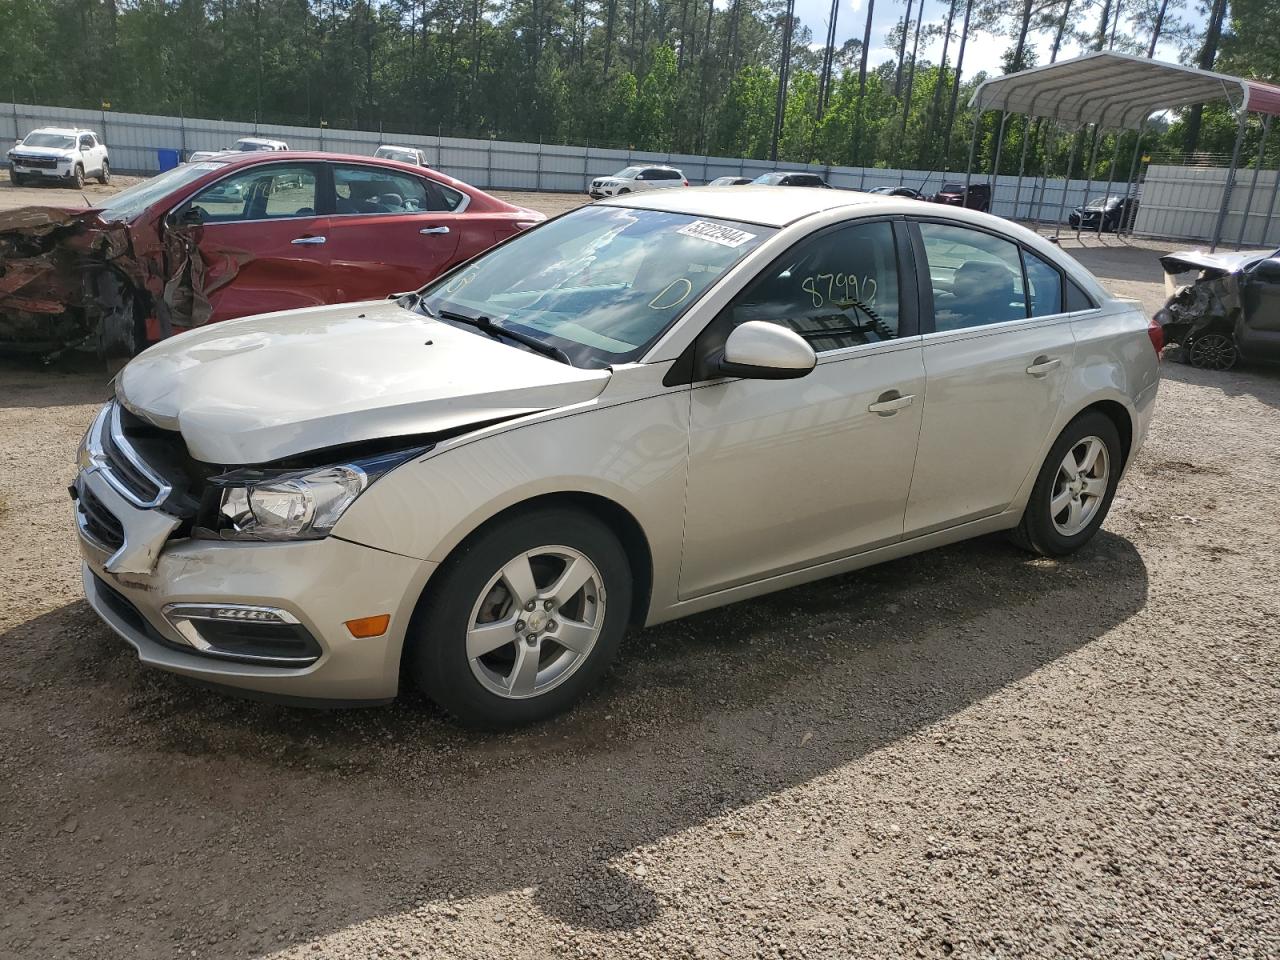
(372, 190)
(839, 289)
(1077, 299)
(443, 199)
(1045, 284)
(271, 192)
(671, 175)
(976, 277)
(86, 142)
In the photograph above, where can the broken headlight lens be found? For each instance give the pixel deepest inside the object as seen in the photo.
(295, 504)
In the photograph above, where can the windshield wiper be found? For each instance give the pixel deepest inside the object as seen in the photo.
(497, 330)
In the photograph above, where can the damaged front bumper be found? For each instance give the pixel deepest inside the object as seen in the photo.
(67, 281)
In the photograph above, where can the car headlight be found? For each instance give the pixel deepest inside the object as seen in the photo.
(301, 504)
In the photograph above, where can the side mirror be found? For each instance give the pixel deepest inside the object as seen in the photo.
(1268, 271)
(189, 217)
(759, 350)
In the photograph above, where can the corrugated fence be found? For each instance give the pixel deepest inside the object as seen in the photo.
(1175, 201)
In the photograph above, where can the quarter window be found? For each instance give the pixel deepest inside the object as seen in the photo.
(839, 289)
(271, 192)
(976, 277)
(1045, 284)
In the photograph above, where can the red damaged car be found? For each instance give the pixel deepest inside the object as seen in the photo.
(230, 236)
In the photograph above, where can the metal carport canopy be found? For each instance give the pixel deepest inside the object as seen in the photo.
(1118, 90)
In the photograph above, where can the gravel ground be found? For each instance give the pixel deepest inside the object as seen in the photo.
(967, 753)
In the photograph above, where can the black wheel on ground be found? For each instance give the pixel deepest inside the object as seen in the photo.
(624, 190)
(104, 176)
(1213, 351)
(1074, 489)
(17, 179)
(77, 177)
(522, 619)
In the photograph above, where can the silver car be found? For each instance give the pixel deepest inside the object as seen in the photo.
(637, 179)
(639, 410)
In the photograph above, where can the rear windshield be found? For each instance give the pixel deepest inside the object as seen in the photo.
(58, 141)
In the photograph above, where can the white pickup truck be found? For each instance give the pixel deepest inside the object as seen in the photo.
(59, 153)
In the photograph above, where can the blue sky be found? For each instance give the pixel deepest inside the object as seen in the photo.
(982, 53)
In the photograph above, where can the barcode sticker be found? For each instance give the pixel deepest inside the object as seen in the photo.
(716, 233)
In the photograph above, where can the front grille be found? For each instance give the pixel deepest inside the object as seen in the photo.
(40, 163)
(150, 466)
(99, 522)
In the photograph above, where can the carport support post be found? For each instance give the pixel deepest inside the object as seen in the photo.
(995, 166)
(1022, 166)
(1133, 172)
(1231, 181)
(1111, 177)
(1253, 184)
(1088, 183)
(1271, 210)
(1066, 184)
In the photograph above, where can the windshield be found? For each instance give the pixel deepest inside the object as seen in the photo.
(132, 201)
(952, 188)
(600, 283)
(58, 141)
(628, 173)
(768, 178)
(1097, 203)
(249, 145)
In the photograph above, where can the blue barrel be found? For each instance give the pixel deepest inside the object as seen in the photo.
(168, 159)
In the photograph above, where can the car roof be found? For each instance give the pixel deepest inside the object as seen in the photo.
(396, 146)
(69, 131)
(764, 204)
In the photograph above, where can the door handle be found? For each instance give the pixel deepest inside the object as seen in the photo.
(307, 241)
(890, 403)
(427, 231)
(1042, 365)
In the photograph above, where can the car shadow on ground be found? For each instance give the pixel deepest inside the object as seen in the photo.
(1261, 381)
(387, 811)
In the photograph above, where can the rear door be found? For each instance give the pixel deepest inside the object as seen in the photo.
(390, 230)
(1258, 332)
(995, 373)
(261, 242)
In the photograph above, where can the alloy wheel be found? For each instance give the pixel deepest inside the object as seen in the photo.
(1213, 351)
(536, 622)
(1080, 486)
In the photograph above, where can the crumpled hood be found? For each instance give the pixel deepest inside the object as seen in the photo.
(259, 389)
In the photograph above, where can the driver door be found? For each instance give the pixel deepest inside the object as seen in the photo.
(786, 474)
(259, 245)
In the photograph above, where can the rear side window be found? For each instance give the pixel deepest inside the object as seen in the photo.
(1077, 299)
(836, 290)
(1045, 286)
(976, 277)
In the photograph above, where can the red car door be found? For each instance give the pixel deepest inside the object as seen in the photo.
(390, 230)
(262, 245)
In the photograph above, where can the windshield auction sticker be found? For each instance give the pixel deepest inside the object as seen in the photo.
(716, 233)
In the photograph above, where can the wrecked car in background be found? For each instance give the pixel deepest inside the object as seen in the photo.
(1222, 307)
(237, 235)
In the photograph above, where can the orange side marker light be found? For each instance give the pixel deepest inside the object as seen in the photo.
(362, 628)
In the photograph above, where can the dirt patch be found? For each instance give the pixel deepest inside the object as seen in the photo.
(965, 753)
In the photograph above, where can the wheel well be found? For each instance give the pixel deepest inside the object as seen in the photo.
(615, 517)
(1120, 417)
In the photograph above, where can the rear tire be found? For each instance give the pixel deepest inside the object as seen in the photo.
(469, 647)
(1065, 512)
(1213, 351)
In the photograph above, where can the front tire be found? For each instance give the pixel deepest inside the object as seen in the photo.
(523, 619)
(1074, 490)
(104, 175)
(77, 177)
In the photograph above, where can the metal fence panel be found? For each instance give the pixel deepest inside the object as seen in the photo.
(1178, 202)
